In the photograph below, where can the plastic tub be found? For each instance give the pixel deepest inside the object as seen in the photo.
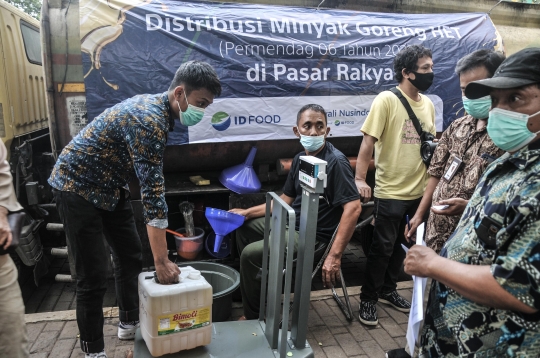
(224, 280)
(189, 247)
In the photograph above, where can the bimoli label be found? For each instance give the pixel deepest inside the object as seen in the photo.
(183, 321)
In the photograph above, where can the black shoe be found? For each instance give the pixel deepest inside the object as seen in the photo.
(395, 300)
(368, 313)
(398, 353)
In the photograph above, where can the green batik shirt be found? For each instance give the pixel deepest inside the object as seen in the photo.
(509, 194)
(125, 141)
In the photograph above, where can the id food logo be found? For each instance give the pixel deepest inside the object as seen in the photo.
(221, 121)
(337, 122)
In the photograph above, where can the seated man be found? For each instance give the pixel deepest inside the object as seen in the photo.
(485, 297)
(341, 204)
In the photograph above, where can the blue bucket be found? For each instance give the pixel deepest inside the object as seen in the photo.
(224, 249)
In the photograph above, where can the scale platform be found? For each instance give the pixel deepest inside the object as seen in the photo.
(242, 339)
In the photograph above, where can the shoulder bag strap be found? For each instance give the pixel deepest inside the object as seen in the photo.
(410, 111)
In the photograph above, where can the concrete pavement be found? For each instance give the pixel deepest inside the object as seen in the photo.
(54, 334)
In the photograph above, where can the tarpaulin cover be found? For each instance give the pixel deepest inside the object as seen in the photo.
(271, 60)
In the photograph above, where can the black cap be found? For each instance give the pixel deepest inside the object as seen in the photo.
(519, 69)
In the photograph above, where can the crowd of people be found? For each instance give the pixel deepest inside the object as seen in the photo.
(479, 195)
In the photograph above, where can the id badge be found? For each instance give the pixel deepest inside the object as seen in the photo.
(454, 166)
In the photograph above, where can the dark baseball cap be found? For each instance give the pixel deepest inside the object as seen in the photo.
(519, 69)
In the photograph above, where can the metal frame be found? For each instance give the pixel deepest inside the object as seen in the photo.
(274, 240)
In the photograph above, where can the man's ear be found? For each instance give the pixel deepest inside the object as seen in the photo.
(179, 93)
(295, 131)
(405, 73)
(327, 131)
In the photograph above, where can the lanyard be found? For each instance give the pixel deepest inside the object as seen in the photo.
(467, 145)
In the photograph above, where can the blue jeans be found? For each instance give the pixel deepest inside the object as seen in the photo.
(386, 254)
(85, 225)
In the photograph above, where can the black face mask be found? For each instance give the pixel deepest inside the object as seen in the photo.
(422, 81)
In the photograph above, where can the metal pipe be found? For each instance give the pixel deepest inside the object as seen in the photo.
(55, 227)
(63, 278)
(59, 251)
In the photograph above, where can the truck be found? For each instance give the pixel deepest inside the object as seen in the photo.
(24, 121)
(81, 78)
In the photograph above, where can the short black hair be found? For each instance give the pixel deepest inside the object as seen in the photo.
(195, 75)
(408, 58)
(313, 107)
(489, 59)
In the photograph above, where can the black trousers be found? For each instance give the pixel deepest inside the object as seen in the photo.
(85, 225)
(386, 254)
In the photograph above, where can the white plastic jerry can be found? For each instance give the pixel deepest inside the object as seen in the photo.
(178, 316)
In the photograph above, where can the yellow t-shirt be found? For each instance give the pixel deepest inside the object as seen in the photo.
(400, 173)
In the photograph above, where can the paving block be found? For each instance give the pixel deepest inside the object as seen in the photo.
(398, 316)
(381, 310)
(348, 344)
(314, 319)
(33, 330)
(401, 341)
(110, 345)
(323, 335)
(383, 338)
(121, 351)
(334, 352)
(391, 326)
(359, 332)
(54, 326)
(44, 342)
(322, 309)
(63, 348)
(62, 306)
(39, 355)
(338, 330)
(317, 349)
(110, 330)
(77, 353)
(372, 349)
(71, 330)
(48, 303)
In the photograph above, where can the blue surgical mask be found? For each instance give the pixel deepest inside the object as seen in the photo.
(478, 108)
(192, 115)
(312, 143)
(508, 129)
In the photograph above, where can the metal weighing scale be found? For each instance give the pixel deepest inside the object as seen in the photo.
(255, 338)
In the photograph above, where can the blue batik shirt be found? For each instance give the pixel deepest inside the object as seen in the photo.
(509, 194)
(125, 141)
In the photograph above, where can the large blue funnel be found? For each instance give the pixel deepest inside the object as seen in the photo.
(241, 178)
(223, 222)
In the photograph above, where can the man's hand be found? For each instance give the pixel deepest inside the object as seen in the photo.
(5, 230)
(456, 206)
(364, 189)
(238, 211)
(410, 234)
(330, 270)
(419, 260)
(167, 272)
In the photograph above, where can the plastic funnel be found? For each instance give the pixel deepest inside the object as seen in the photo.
(224, 249)
(241, 178)
(223, 222)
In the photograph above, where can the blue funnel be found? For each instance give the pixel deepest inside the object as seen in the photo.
(241, 178)
(223, 222)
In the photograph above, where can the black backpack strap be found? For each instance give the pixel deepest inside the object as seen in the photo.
(410, 111)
